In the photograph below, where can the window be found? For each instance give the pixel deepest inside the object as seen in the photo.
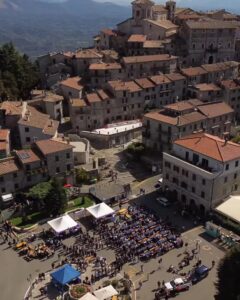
(1, 179)
(235, 175)
(68, 155)
(193, 190)
(194, 177)
(227, 167)
(3, 190)
(203, 182)
(184, 185)
(225, 179)
(29, 178)
(167, 176)
(175, 168)
(56, 158)
(26, 129)
(184, 173)
(28, 167)
(57, 170)
(16, 186)
(167, 164)
(124, 108)
(108, 111)
(236, 163)
(139, 105)
(203, 195)
(15, 175)
(69, 167)
(28, 139)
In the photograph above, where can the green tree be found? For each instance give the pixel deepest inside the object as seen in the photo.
(18, 75)
(56, 199)
(40, 191)
(81, 176)
(229, 276)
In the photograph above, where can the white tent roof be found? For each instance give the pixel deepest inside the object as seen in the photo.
(88, 296)
(106, 292)
(100, 210)
(6, 198)
(230, 208)
(63, 223)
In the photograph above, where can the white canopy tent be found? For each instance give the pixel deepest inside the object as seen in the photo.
(106, 292)
(88, 296)
(100, 210)
(63, 223)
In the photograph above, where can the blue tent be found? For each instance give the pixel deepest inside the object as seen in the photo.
(65, 274)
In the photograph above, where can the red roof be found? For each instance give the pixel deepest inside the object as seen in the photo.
(210, 146)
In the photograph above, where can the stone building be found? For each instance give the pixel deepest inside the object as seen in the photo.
(26, 123)
(208, 41)
(4, 143)
(28, 167)
(202, 170)
(162, 128)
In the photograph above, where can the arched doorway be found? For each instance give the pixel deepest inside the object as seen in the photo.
(210, 59)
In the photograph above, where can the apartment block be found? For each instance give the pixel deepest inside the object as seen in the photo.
(202, 170)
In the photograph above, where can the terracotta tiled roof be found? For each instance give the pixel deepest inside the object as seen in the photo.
(8, 166)
(87, 54)
(160, 79)
(4, 134)
(212, 110)
(143, 2)
(212, 24)
(51, 127)
(93, 97)
(52, 146)
(189, 16)
(175, 76)
(119, 85)
(231, 84)
(193, 71)
(78, 103)
(222, 66)
(184, 105)
(27, 156)
(145, 83)
(73, 82)
(105, 66)
(12, 107)
(159, 9)
(166, 24)
(148, 58)
(207, 87)
(109, 31)
(50, 97)
(153, 44)
(137, 38)
(210, 146)
(103, 94)
(176, 121)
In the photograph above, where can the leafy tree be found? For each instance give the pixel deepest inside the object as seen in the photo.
(81, 176)
(229, 276)
(40, 191)
(136, 149)
(18, 76)
(56, 199)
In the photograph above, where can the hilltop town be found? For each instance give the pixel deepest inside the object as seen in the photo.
(133, 146)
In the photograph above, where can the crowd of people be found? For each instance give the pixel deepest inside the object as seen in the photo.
(139, 235)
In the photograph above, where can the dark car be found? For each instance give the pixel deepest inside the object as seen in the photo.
(200, 273)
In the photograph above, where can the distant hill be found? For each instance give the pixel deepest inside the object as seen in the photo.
(37, 26)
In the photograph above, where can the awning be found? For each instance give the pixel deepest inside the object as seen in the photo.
(106, 292)
(230, 208)
(65, 274)
(100, 210)
(67, 186)
(63, 223)
(7, 197)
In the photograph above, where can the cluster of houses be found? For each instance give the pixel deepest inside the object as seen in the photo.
(167, 73)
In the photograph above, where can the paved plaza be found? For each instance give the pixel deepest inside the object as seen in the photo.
(17, 272)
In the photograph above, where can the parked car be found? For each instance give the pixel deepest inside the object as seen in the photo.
(163, 201)
(200, 273)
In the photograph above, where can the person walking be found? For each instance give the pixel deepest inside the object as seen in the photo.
(159, 285)
(141, 268)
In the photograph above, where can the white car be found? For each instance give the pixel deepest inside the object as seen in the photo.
(163, 201)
